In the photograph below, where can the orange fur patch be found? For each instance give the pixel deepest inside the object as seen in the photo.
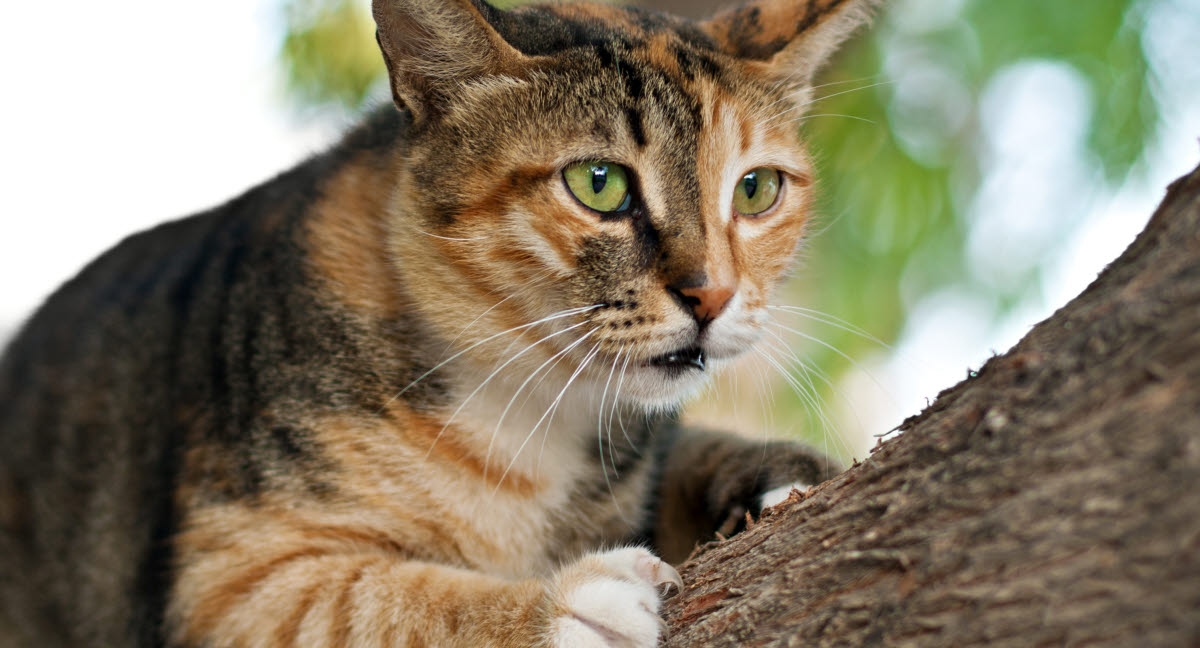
(427, 434)
(346, 240)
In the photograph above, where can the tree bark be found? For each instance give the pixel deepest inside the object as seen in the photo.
(1051, 499)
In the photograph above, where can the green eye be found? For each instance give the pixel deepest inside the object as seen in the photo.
(756, 192)
(603, 186)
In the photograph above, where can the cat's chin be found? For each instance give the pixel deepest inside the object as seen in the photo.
(657, 389)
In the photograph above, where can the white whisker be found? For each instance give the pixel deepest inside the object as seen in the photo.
(803, 118)
(802, 106)
(449, 238)
(554, 358)
(808, 372)
(809, 398)
(818, 87)
(567, 313)
(549, 410)
(831, 348)
(842, 92)
(835, 322)
(489, 379)
(600, 414)
(616, 396)
(524, 287)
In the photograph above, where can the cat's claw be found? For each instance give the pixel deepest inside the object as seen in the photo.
(778, 495)
(662, 575)
(611, 600)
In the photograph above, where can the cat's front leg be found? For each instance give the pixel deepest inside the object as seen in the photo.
(711, 480)
(274, 578)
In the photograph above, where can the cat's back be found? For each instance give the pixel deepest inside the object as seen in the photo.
(97, 392)
(87, 410)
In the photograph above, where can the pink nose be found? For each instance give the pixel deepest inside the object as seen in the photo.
(708, 301)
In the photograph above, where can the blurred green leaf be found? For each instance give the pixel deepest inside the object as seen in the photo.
(329, 55)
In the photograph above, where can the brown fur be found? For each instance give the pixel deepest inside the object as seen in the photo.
(409, 392)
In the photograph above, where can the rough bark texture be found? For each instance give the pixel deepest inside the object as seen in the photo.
(1051, 499)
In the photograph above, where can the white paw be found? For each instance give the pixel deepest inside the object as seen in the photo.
(778, 495)
(611, 600)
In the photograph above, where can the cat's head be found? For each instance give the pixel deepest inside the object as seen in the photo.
(633, 181)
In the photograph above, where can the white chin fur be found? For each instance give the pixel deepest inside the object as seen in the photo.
(656, 389)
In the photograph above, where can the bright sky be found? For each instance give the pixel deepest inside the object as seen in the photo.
(120, 115)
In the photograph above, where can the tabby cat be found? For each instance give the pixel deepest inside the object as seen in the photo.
(420, 389)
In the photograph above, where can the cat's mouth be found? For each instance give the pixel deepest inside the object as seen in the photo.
(680, 360)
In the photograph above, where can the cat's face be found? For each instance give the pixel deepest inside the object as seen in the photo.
(633, 185)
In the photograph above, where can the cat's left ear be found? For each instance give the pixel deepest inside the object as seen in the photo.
(432, 45)
(790, 39)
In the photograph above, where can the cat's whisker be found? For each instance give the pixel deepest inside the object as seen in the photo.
(608, 434)
(606, 431)
(832, 348)
(553, 406)
(815, 100)
(592, 353)
(600, 412)
(764, 376)
(808, 371)
(449, 238)
(788, 96)
(567, 313)
(554, 358)
(825, 318)
(492, 375)
(803, 118)
(766, 413)
(801, 107)
(604, 394)
(538, 385)
(809, 397)
(615, 409)
(512, 295)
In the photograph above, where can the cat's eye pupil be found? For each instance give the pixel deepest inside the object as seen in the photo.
(599, 178)
(750, 182)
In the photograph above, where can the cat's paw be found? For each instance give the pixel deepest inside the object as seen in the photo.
(753, 477)
(611, 600)
(779, 495)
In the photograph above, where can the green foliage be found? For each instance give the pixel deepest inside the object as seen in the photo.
(896, 134)
(329, 55)
(895, 190)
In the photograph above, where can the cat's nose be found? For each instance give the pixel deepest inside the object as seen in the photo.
(708, 297)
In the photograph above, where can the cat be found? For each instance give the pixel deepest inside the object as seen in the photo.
(420, 389)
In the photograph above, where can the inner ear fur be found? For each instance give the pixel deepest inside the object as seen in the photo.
(431, 45)
(789, 39)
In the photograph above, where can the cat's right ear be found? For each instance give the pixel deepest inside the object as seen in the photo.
(431, 45)
(788, 39)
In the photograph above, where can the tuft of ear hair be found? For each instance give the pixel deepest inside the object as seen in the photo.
(789, 39)
(432, 45)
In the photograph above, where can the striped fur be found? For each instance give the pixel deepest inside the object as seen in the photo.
(406, 393)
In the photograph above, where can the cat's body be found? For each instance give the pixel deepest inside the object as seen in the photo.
(396, 395)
